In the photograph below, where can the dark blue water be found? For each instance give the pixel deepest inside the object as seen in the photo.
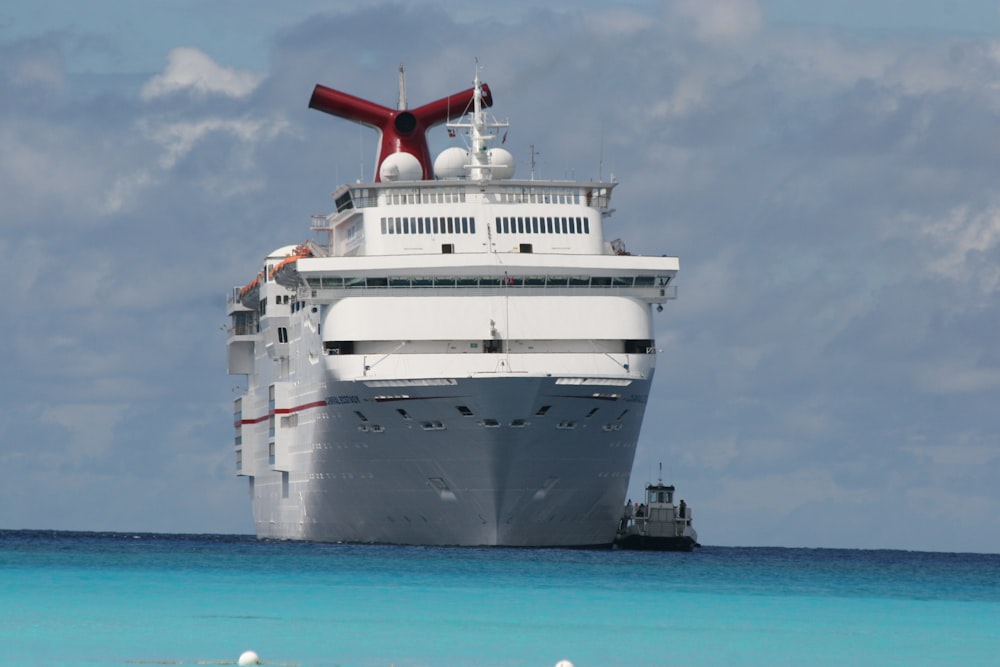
(116, 599)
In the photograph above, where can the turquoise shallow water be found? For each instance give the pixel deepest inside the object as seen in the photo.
(116, 599)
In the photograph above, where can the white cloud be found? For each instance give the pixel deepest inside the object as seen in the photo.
(179, 138)
(619, 23)
(49, 168)
(39, 69)
(950, 377)
(191, 69)
(721, 20)
(964, 239)
(90, 426)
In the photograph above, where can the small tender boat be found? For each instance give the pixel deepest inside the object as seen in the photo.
(658, 524)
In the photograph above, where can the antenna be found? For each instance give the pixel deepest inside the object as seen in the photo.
(533, 154)
(361, 153)
(402, 89)
(600, 172)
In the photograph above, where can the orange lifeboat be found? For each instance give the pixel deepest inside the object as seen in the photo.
(300, 251)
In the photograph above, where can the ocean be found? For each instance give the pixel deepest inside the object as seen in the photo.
(102, 599)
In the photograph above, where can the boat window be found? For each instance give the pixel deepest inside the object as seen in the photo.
(640, 346)
(464, 410)
(338, 347)
(344, 201)
(542, 410)
(447, 248)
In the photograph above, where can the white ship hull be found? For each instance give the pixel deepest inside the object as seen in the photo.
(462, 361)
(416, 470)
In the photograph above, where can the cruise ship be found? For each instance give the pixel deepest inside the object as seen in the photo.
(454, 356)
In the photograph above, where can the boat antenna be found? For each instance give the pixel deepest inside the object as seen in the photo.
(480, 151)
(402, 89)
(600, 169)
(361, 152)
(661, 472)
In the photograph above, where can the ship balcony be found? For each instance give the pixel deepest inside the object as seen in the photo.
(619, 367)
(648, 288)
(233, 302)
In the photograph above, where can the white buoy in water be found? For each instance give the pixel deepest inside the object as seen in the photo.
(248, 658)
(564, 663)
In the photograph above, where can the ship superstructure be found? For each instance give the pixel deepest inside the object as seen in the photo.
(457, 358)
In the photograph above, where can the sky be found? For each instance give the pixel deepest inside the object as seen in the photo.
(827, 173)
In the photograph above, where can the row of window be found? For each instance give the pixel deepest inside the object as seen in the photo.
(435, 196)
(467, 225)
(430, 225)
(491, 281)
(544, 225)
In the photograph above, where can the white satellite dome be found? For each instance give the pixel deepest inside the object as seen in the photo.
(400, 167)
(451, 162)
(503, 163)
